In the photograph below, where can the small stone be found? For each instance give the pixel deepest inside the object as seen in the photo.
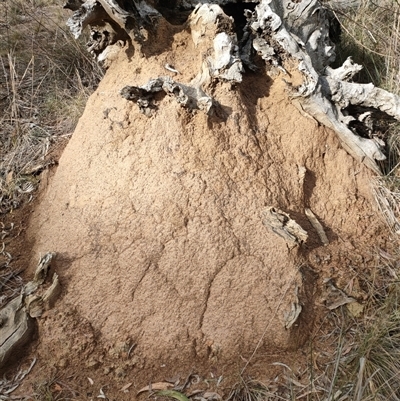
(63, 363)
(92, 363)
(130, 363)
(119, 372)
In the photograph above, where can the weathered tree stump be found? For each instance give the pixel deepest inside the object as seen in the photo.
(278, 31)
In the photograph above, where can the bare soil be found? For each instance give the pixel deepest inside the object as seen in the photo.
(166, 266)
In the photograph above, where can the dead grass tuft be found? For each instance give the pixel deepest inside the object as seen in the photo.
(365, 364)
(253, 390)
(46, 77)
(371, 35)
(387, 195)
(53, 389)
(10, 281)
(10, 285)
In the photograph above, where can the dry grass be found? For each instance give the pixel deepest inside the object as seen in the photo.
(386, 188)
(371, 35)
(365, 363)
(53, 389)
(253, 390)
(46, 77)
(350, 358)
(387, 195)
(10, 281)
(10, 285)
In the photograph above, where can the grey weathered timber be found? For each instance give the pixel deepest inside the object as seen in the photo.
(278, 31)
(17, 322)
(187, 96)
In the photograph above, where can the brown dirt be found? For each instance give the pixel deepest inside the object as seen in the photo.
(158, 229)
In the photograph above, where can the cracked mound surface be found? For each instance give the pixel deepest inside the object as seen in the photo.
(157, 221)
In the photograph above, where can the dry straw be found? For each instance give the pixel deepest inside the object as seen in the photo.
(46, 78)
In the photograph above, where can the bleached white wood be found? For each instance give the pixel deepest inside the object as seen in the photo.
(278, 30)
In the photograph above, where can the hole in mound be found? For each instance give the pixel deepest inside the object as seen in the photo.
(368, 121)
(172, 12)
(236, 11)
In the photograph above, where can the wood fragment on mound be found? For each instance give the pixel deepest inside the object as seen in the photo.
(16, 329)
(278, 31)
(280, 223)
(222, 61)
(334, 297)
(17, 317)
(317, 226)
(192, 98)
(291, 316)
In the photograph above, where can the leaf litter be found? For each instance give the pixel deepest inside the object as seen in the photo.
(7, 386)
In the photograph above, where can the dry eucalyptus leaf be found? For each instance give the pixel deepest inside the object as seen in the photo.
(355, 308)
(125, 388)
(156, 386)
